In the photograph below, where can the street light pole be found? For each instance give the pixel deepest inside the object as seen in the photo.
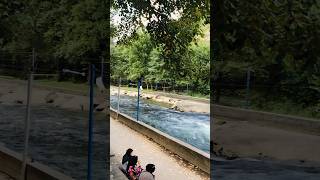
(90, 132)
(118, 108)
(139, 81)
(27, 121)
(248, 89)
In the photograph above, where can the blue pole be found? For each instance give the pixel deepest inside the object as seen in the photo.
(90, 135)
(138, 100)
(248, 89)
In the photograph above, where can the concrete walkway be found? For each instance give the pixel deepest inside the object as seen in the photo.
(168, 166)
(115, 173)
(253, 140)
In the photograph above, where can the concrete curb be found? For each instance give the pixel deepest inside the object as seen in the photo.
(286, 121)
(11, 165)
(187, 152)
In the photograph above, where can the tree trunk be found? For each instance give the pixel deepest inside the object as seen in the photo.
(217, 88)
(172, 87)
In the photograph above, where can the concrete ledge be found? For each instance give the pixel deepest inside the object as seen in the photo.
(286, 121)
(187, 152)
(10, 163)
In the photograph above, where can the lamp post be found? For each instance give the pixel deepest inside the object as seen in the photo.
(139, 82)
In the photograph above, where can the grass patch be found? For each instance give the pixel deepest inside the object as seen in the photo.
(289, 108)
(83, 87)
(286, 107)
(7, 77)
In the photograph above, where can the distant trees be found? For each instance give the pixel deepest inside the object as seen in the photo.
(142, 58)
(71, 31)
(277, 40)
(171, 27)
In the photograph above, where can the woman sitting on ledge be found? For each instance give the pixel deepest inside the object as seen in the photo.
(126, 158)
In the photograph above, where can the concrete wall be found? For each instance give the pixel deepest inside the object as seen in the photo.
(284, 121)
(10, 163)
(184, 150)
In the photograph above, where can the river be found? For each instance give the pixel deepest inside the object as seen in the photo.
(192, 128)
(58, 138)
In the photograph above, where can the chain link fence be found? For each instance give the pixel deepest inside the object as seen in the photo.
(183, 88)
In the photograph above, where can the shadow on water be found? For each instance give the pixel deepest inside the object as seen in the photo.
(192, 128)
(58, 138)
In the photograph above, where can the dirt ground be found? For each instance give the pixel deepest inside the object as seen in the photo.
(249, 140)
(15, 92)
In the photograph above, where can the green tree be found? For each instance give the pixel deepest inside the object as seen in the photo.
(139, 56)
(171, 24)
(278, 40)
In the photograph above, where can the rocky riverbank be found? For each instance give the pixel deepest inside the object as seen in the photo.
(173, 103)
(15, 93)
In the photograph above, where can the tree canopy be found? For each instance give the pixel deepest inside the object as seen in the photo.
(278, 41)
(142, 58)
(173, 25)
(70, 30)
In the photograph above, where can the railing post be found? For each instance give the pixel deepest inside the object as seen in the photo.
(248, 89)
(90, 131)
(118, 110)
(27, 120)
(139, 81)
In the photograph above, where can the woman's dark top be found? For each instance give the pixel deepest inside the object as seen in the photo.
(125, 158)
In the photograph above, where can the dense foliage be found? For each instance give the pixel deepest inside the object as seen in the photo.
(173, 25)
(278, 41)
(71, 32)
(142, 58)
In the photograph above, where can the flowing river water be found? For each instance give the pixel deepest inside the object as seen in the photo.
(58, 138)
(192, 128)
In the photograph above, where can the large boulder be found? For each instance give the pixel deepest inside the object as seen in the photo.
(19, 101)
(51, 97)
(192, 106)
(176, 107)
